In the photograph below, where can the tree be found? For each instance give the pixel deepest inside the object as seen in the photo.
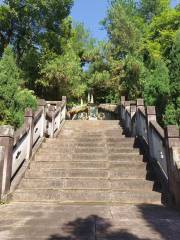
(32, 23)
(151, 8)
(14, 99)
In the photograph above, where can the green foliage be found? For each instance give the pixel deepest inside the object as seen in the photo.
(144, 37)
(13, 98)
(152, 8)
(62, 75)
(28, 23)
(123, 26)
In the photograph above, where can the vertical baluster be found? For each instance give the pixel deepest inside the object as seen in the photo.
(29, 121)
(151, 116)
(7, 141)
(172, 140)
(140, 105)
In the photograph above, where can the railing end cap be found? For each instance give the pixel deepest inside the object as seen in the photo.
(140, 102)
(6, 131)
(151, 110)
(41, 102)
(28, 112)
(172, 131)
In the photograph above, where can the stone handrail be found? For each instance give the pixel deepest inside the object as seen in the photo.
(160, 146)
(17, 148)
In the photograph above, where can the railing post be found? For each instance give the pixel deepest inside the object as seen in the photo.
(42, 103)
(7, 141)
(29, 121)
(140, 105)
(151, 116)
(127, 109)
(133, 110)
(172, 141)
(122, 108)
(63, 113)
(1, 167)
(51, 111)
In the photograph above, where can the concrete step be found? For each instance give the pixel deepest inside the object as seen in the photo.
(89, 156)
(129, 173)
(62, 196)
(70, 183)
(122, 149)
(86, 196)
(125, 156)
(69, 164)
(63, 173)
(135, 197)
(87, 183)
(89, 149)
(131, 184)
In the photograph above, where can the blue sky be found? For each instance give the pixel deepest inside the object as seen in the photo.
(91, 12)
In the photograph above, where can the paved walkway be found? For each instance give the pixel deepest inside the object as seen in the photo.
(67, 222)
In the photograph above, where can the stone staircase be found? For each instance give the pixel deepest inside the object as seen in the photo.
(91, 162)
(88, 184)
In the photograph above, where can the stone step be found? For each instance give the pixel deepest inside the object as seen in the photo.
(129, 173)
(69, 164)
(63, 173)
(117, 173)
(61, 196)
(85, 164)
(132, 184)
(79, 149)
(86, 196)
(87, 183)
(122, 150)
(70, 183)
(88, 157)
(135, 197)
(73, 150)
(125, 156)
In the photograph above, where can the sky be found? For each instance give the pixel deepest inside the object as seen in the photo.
(91, 12)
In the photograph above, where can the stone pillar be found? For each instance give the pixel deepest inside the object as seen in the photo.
(51, 111)
(29, 121)
(172, 141)
(151, 116)
(133, 110)
(64, 98)
(7, 141)
(122, 99)
(1, 167)
(42, 104)
(140, 105)
(122, 108)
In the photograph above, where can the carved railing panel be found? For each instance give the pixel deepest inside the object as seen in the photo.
(163, 149)
(21, 145)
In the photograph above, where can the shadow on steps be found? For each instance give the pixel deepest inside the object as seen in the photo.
(151, 223)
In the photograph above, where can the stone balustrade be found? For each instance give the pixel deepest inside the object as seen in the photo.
(160, 146)
(17, 148)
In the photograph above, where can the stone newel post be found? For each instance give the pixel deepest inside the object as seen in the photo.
(151, 116)
(28, 117)
(6, 140)
(173, 145)
(1, 167)
(140, 105)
